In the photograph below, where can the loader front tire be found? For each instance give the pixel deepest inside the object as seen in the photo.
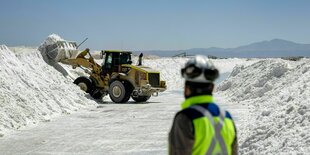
(84, 83)
(119, 91)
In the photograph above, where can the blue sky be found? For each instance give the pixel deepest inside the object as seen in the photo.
(154, 24)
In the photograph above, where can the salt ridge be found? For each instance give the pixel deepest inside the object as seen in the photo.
(276, 93)
(32, 91)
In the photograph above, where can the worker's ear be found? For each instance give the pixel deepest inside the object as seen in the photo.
(211, 87)
(187, 91)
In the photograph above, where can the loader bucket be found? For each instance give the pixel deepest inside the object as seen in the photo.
(61, 50)
(55, 49)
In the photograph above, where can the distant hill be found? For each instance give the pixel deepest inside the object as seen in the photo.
(272, 48)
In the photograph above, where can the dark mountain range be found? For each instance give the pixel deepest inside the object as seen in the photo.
(272, 48)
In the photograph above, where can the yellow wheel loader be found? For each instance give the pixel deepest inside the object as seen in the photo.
(117, 77)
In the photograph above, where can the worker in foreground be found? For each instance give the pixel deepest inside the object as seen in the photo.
(201, 127)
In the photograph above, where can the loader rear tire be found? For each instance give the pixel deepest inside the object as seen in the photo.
(140, 98)
(120, 91)
(84, 83)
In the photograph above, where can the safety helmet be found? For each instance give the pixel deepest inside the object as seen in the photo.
(200, 70)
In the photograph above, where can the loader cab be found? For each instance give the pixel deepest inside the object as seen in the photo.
(114, 60)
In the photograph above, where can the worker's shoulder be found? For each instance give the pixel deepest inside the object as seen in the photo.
(213, 108)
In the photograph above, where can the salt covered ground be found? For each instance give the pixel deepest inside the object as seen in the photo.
(268, 99)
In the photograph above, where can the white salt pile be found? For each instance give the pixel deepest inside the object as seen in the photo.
(32, 91)
(277, 95)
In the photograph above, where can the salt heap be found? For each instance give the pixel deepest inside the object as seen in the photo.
(276, 93)
(32, 91)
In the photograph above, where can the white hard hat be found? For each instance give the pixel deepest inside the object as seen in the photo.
(200, 70)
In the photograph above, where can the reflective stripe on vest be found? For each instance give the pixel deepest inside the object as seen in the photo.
(217, 129)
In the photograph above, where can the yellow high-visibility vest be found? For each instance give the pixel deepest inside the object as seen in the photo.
(214, 128)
